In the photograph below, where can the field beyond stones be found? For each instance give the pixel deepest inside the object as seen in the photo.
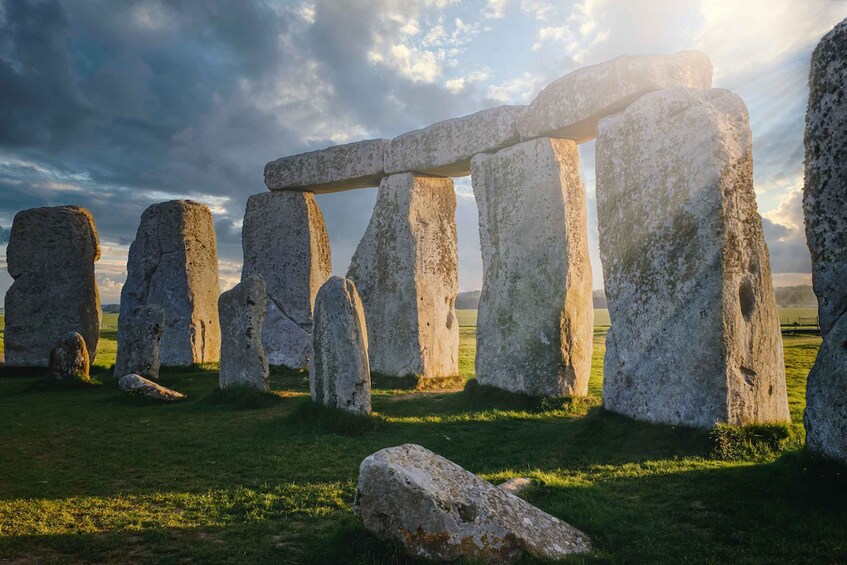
(89, 475)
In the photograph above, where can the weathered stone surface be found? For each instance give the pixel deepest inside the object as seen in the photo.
(285, 241)
(139, 348)
(405, 269)
(69, 359)
(242, 315)
(446, 148)
(535, 325)
(173, 263)
(437, 510)
(51, 256)
(340, 375)
(572, 106)
(824, 198)
(825, 191)
(340, 167)
(136, 384)
(695, 336)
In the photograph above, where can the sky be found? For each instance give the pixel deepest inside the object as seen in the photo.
(117, 105)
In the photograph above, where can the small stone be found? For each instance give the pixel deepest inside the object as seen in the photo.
(340, 167)
(437, 510)
(242, 315)
(138, 350)
(136, 384)
(69, 359)
(340, 375)
(516, 485)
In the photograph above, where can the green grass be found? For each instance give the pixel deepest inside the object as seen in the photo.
(87, 475)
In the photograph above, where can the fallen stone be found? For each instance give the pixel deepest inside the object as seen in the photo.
(446, 148)
(695, 336)
(516, 485)
(405, 269)
(340, 375)
(826, 232)
(341, 167)
(535, 324)
(51, 255)
(285, 241)
(825, 186)
(136, 384)
(242, 315)
(138, 351)
(437, 510)
(173, 264)
(69, 359)
(572, 106)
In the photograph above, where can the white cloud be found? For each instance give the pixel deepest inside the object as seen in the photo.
(519, 90)
(495, 9)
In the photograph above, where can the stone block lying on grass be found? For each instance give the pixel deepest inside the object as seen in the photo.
(69, 359)
(136, 384)
(438, 510)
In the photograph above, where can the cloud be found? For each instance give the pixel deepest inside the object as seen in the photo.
(4, 235)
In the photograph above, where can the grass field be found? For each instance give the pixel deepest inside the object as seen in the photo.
(87, 475)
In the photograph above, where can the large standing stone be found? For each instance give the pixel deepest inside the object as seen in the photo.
(536, 316)
(139, 350)
(242, 313)
(51, 256)
(69, 359)
(572, 106)
(340, 167)
(446, 148)
(824, 198)
(340, 375)
(695, 336)
(437, 510)
(173, 263)
(285, 241)
(405, 269)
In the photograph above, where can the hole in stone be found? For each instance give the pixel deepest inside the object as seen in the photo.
(467, 512)
(749, 375)
(770, 390)
(747, 298)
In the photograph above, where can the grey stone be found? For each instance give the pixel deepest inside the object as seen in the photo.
(446, 148)
(516, 485)
(340, 375)
(535, 325)
(136, 384)
(69, 359)
(340, 167)
(138, 350)
(572, 106)
(695, 336)
(51, 255)
(242, 315)
(405, 269)
(824, 198)
(173, 263)
(285, 241)
(437, 510)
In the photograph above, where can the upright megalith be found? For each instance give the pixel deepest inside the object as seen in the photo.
(695, 336)
(51, 256)
(242, 313)
(535, 322)
(824, 198)
(285, 241)
(173, 264)
(405, 269)
(69, 359)
(140, 347)
(340, 374)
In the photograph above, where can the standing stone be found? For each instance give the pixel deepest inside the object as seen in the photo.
(51, 256)
(340, 375)
(824, 198)
(695, 336)
(242, 314)
(173, 264)
(405, 269)
(536, 317)
(139, 350)
(69, 359)
(285, 241)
